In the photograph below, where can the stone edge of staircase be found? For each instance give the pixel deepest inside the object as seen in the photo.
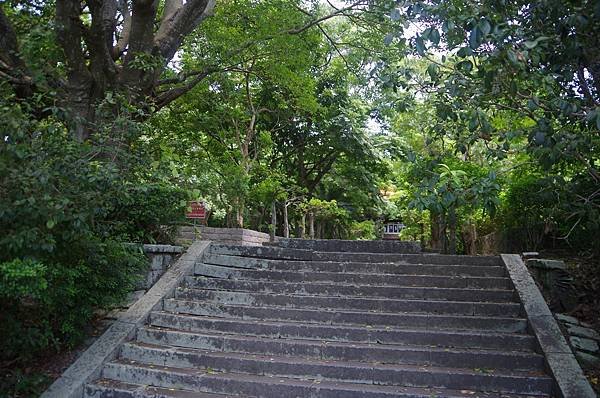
(569, 380)
(89, 364)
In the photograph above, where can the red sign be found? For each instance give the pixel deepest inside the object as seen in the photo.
(198, 210)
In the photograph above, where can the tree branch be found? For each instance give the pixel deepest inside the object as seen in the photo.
(125, 30)
(179, 24)
(171, 95)
(334, 13)
(13, 66)
(69, 32)
(99, 40)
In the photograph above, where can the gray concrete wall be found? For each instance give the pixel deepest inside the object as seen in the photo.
(160, 258)
(233, 236)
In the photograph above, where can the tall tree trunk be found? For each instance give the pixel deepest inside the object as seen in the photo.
(452, 230)
(437, 232)
(311, 224)
(239, 213)
(302, 226)
(273, 222)
(286, 225)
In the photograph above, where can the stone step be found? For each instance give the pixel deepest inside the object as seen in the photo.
(360, 334)
(352, 246)
(271, 387)
(354, 303)
(320, 316)
(106, 388)
(355, 266)
(199, 363)
(337, 351)
(475, 282)
(391, 292)
(437, 259)
(266, 252)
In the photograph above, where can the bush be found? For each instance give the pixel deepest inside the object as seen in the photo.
(66, 212)
(538, 210)
(363, 230)
(148, 213)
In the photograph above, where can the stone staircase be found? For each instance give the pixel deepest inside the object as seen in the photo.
(290, 322)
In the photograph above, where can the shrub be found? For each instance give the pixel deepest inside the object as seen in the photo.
(148, 213)
(363, 230)
(66, 212)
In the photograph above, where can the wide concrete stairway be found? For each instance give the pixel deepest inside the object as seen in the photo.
(285, 322)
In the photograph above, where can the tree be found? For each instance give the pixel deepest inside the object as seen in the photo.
(117, 51)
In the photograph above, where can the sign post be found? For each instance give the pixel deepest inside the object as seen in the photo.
(198, 212)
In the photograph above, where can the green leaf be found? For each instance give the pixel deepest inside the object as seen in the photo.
(388, 39)
(512, 56)
(530, 44)
(475, 38)
(466, 66)
(395, 14)
(50, 224)
(532, 104)
(434, 36)
(539, 138)
(463, 52)
(485, 27)
(473, 123)
(420, 44)
(433, 70)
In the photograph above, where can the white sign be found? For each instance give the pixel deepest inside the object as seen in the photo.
(393, 228)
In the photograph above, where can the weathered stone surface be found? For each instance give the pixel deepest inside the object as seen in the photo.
(162, 249)
(583, 344)
(570, 381)
(546, 264)
(357, 246)
(340, 324)
(566, 319)
(569, 377)
(133, 297)
(587, 359)
(583, 332)
(156, 262)
(89, 364)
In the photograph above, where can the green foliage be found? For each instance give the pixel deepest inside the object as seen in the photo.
(511, 92)
(149, 213)
(529, 210)
(16, 384)
(66, 211)
(363, 230)
(540, 209)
